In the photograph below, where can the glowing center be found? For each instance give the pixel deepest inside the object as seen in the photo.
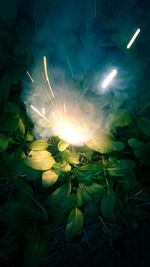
(70, 135)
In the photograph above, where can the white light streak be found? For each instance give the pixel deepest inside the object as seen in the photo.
(43, 111)
(133, 38)
(46, 75)
(30, 77)
(39, 113)
(109, 78)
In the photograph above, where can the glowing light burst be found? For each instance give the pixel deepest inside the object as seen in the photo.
(68, 116)
(109, 78)
(133, 38)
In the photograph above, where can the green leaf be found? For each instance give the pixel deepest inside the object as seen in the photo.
(94, 188)
(75, 223)
(104, 142)
(39, 160)
(49, 178)
(95, 168)
(144, 125)
(119, 119)
(108, 202)
(74, 157)
(62, 145)
(38, 145)
(9, 123)
(91, 209)
(130, 180)
(21, 129)
(80, 200)
(60, 194)
(35, 250)
(29, 137)
(141, 150)
(32, 174)
(84, 177)
(4, 141)
(11, 108)
(120, 167)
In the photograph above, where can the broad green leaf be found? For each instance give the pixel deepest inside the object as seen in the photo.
(38, 145)
(39, 160)
(35, 249)
(119, 119)
(104, 142)
(11, 108)
(94, 188)
(80, 200)
(62, 145)
(60, 194)
(9, 123)
(120, 167)
(75, 223)
(141, 150)
(130, 180)
(49, 178)
(60, 168)
(84, 177)
(95, 168)
(32, 174)
(108, 202)
(4, 141)
(144, 125)
(74, 157)
(91, 209)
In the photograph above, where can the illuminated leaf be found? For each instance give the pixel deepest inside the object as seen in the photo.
(104, 142)
(29, 137)
(21, 129)
(62, 145)
(95, 168)
(108, 202)
(74, 157)
(141, 150)
(144, 125)
(39, 160)
(120, 167)
(49, 178)
(75, 223)
(119, 119)
(39, 145)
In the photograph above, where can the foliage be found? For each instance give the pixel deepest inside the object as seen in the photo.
(51, 182)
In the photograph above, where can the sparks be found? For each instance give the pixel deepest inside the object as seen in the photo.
(133, 38)
(46, 75)
(39, 113)
(30, 77)
(109, 78)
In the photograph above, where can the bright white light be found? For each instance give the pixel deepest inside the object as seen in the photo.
(43, 111)
(109, 78)
(69, 135)
(133, 38)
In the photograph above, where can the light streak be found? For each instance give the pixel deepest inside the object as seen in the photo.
(133, 38)
(43, 111)
(39, 113)
(30, 77)
(47, 78)
(109, 78)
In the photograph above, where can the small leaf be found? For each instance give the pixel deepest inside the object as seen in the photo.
(104, 142)
(29, 137)
(21, 129)
(49, 178)
(62, 145)
(108, 202)
(4, 141)
(39, 160)
(38, 145)
(74, 157)
(141, 150)
(120, 167)
(144, 125)
(75, 223)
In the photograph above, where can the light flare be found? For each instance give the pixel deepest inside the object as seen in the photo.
(39, 113)
(133, 38)
(46, 75)
(70, 135)
(109, 78)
